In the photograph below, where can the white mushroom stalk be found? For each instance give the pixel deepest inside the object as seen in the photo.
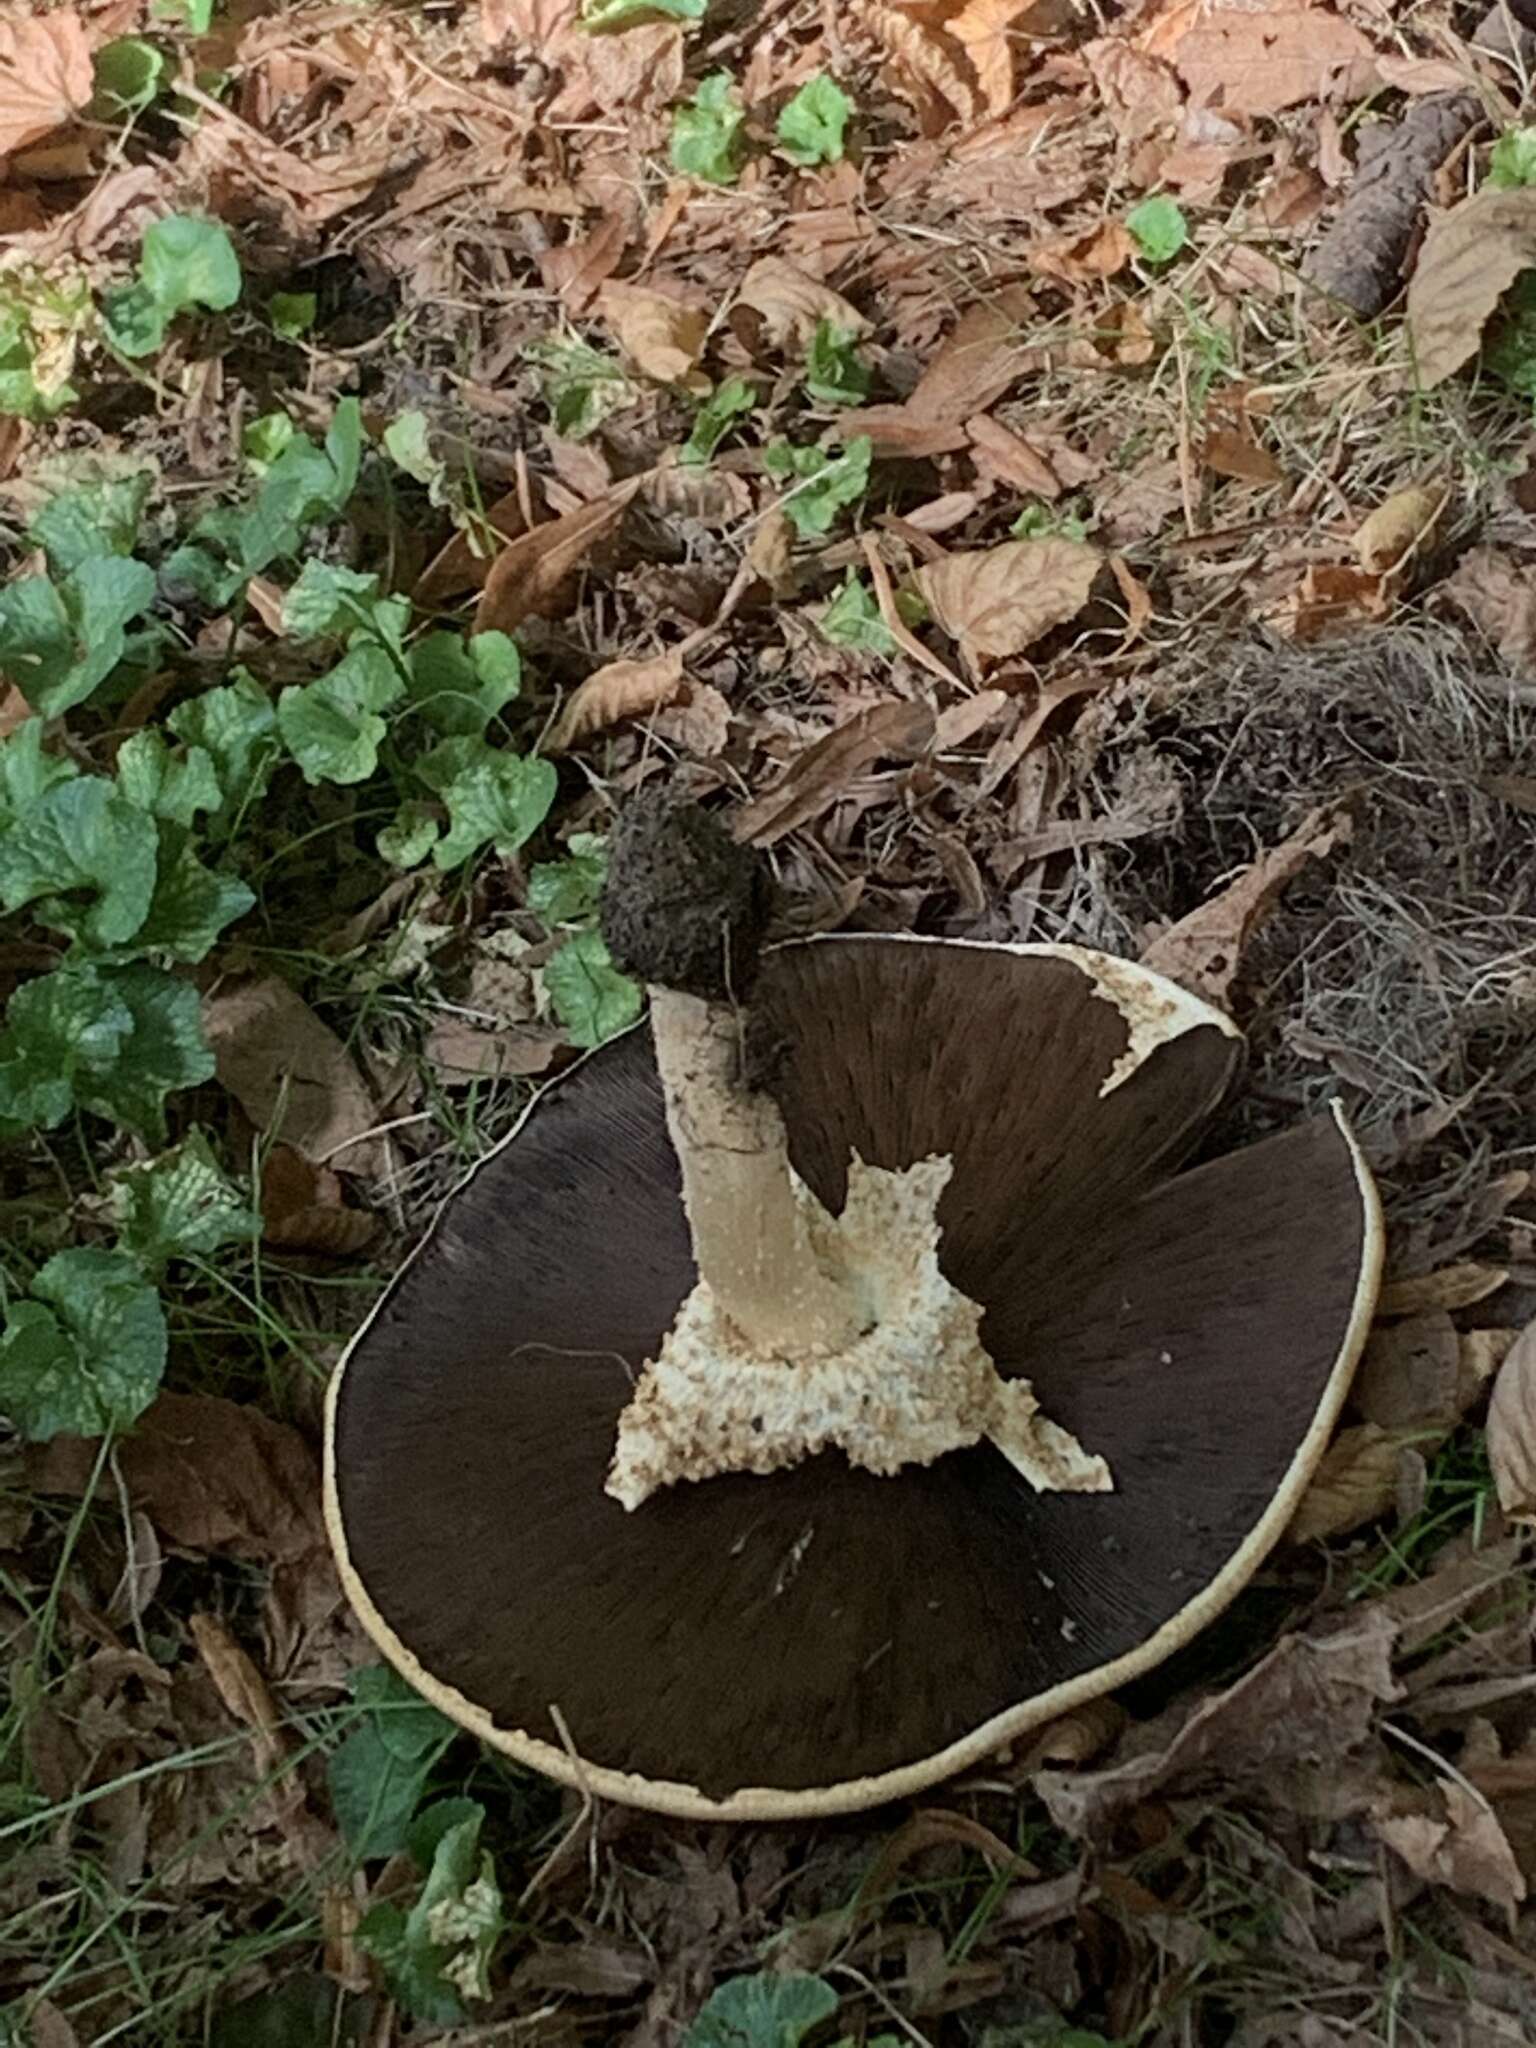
(808, 1331)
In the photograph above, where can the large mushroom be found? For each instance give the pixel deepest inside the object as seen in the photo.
(839, 1380)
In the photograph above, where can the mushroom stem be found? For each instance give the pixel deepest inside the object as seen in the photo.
(750, 1238)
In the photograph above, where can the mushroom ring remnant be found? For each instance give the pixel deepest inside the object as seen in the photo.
(820, 1638)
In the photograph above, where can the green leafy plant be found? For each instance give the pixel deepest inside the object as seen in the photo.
(727, 403)
(582, 385)
(1158, 228)
(853, 619)
(1512, 160)
(292, 313)
(1509, 347)
(378, 1776)
(834, 373)
(130, 75)
(707, 142)
(193, 15)
(812, 127)
(41, 322)
(437, 1951)
(183, 262)
(598, 15)
(823, 483)
(1045, 522)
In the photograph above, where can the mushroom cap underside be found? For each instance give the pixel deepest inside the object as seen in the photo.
(822, 1639)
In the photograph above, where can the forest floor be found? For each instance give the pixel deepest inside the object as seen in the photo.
(1045, 471)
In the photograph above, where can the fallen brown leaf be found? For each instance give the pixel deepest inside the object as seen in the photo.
(246, 1695)
(699, 722)
(1512, 1429)
(1479, 1354)
(529, 573)
(1397, 529)
(1260, 62)
(1356, 1481)
(817, 777)
(617, 690)
(577, 268)
(461, 1048)
(1310, 1702)
(1099, 253)
(1000, 600)
(930, 61)
(989, 31)
(304, 1208)
(1231, 454)
(999, 452)
(461, 564)
(662, 336)
(213, 1476)
(46, 74)
(792, 304)
(1334, 598)
(1470, 258)
(14, 709)
(1409, 1374)
(1204, 951)
(1458, 1286)
(1497, 592)
(292, 1075)
(1468, 1850)
(984, 353)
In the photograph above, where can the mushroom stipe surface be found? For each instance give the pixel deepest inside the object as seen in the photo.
(821, 1638)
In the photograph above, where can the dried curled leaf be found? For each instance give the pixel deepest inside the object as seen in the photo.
(1512, 1429)
(1397, 528)
(662, 337)
(1100, 252)
(1470, 258)
(46, 75)
(988, 31)
(793, 305)
(1260, 61)
(618, 690)
(292, 1075)
(927, 57)
(1205, 949)
(999, 601)
(529, 571)
(1355, 1482)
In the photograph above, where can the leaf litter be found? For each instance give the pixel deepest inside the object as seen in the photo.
(856, 405)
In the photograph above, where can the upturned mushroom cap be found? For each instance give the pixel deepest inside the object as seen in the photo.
(820, 1639)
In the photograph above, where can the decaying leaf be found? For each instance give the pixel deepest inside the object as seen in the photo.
(1204, 951)
(1100, 252)
(46, 74)
(816, 778)
(933, 66)
(1000, 600)
(1397, 529)
(1468, 1850)
(1497, 592)
(304, 1208)
(460, 564)
(1334, 598)
(213, 1476)
(1470, 258)
(292, 1075)
(529, 573)
(999, 452)
(1310, 1702)
(245, 1693)
(662, 336)
(985, 352)
(1229, 453)
(1259, 61)
(460, 1048)
(1355, 1482)
(1409, 1375)
(1457, 1286)
(1512, 1429)
(616, 691)
(792, 305)
(988, 31)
